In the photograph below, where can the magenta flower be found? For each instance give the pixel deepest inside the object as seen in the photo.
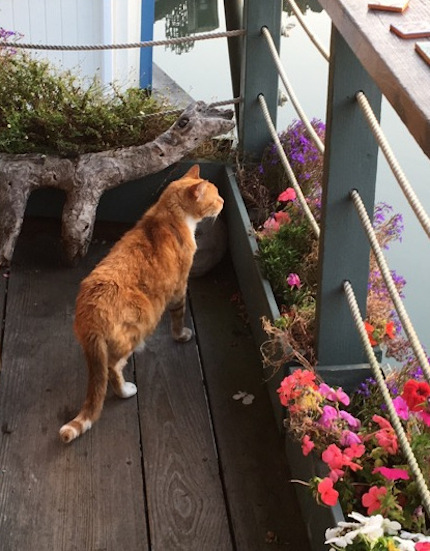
(392, 474)
(287, 195)
(401, 407)
(352, 421)
(329, 415)
(293, 280)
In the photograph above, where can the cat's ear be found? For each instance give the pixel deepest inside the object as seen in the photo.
(197, 190)
(194, 172)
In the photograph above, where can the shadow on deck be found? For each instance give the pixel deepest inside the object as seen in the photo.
(180, 466)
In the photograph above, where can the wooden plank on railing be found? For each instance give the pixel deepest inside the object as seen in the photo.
(400, 73)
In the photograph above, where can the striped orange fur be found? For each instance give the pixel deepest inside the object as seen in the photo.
(122, 300)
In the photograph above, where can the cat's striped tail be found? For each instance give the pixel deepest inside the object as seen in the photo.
(95, 349)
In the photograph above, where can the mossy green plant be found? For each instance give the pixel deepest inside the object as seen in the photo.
(45, 110)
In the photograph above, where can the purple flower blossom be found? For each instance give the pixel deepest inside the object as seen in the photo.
(348, 438)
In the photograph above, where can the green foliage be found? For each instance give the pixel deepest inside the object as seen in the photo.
(284, 252)
(47, 111)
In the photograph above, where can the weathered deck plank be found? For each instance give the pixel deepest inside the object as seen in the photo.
(181, 467)
(262, 502)
(84, 496)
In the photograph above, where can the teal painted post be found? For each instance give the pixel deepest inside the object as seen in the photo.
(233, 19)
(259, 74)
(350, 162)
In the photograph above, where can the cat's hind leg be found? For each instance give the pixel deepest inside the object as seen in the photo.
(121, 387)
(177, 313)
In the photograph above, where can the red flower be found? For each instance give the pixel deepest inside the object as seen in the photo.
(390, 330)
(328, 494)
(282, 217)
(415, 394)
(422, 546)
(372, 500)
(370, 330)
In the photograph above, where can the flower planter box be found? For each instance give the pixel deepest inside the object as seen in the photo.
(260, 301)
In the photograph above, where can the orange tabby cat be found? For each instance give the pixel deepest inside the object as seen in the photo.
(122, 300)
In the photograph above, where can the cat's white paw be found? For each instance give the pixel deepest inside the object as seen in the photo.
(128, 390)
(185, 336)
(140, 347)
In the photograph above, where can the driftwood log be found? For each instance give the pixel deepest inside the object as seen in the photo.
(86, 177)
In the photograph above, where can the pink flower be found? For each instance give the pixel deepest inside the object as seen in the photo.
(287, 195)
(271, 225)
(307, 445)
(333, 456)
(382, 422)
(422, 546)
(335, 474)
(328, 494)
(293, 280)
(355, 450)
(425, 417)
(372, 499)
(401, 407)
(386, 437)
(334, 395)
(392, 474)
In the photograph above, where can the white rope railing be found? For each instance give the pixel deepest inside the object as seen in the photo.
(392, 161)
(285, 163)
(389, 282)
(395, 421)
(308, 31)
(146, 44)
(266, 33)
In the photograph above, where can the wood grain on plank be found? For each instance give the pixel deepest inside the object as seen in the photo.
(185, 499)
(401, 75)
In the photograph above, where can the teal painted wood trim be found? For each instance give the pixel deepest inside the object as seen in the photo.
(233, 18)
(259, 74)
(256, 291)
(350, 162)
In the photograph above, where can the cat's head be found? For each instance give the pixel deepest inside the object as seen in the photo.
(197, 197)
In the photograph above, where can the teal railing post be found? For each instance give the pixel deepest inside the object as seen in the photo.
(258, 74)
(350, 162)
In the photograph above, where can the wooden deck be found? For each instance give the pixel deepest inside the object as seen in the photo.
(181, 466)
